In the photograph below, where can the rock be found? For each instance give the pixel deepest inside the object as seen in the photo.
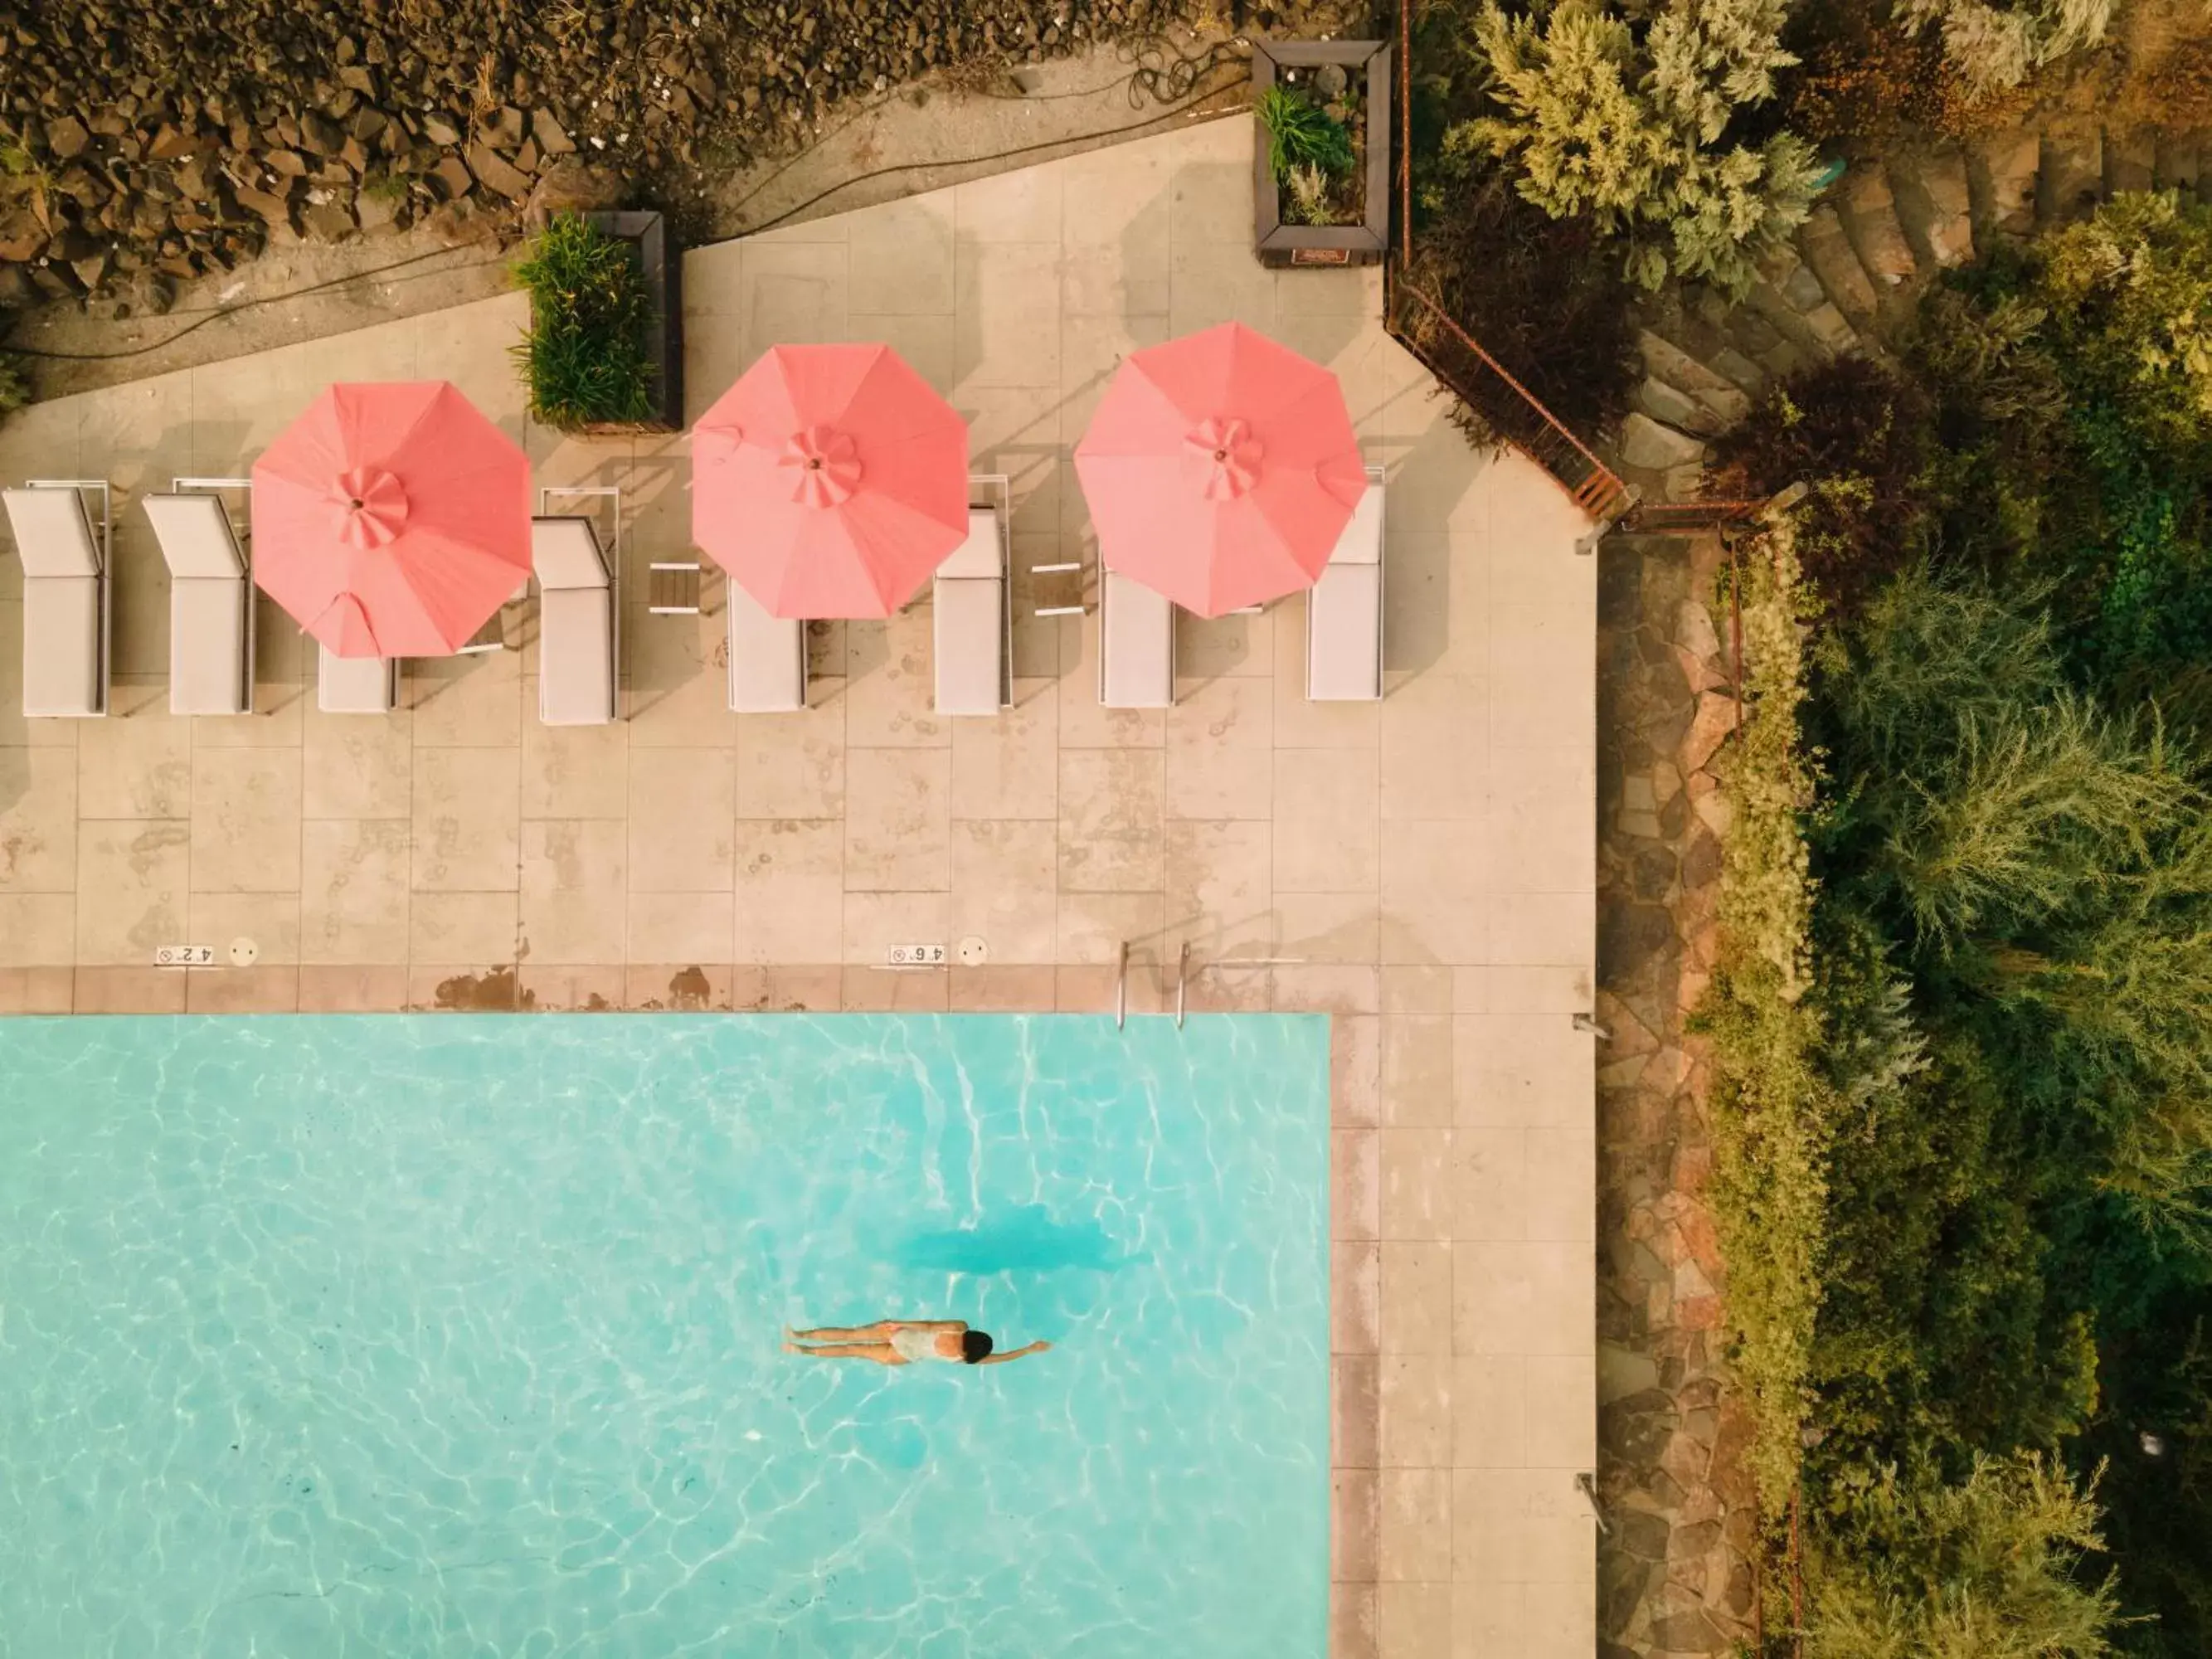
(570, 186)
(504, 128)
(526, 159)
(552, 139)
(91, 271)
(1709, 728)
(22, 238)
(168, 143)
(360, 77)
(275, 211)
(66, 137)
(328, 221)
(1645, 443)
(496, 172)
(1693, 630)
(440, 131)
(366, 123)
(321, 133)
(353, 157)
(451, 179)
(286, 163)
(1671, 407)
(378, 210)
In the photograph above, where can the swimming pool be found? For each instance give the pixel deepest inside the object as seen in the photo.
(438, 1336)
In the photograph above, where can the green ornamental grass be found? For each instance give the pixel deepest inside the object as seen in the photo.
(584, 361)
(1301, 134)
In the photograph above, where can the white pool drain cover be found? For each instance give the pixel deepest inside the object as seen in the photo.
(244, 953)
(974, 952)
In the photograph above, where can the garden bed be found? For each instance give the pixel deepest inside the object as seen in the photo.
(1321, 177)
(604, 354)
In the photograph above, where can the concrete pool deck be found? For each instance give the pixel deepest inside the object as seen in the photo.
(1423, 868)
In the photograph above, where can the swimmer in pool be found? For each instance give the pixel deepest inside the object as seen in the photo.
(904, 1342)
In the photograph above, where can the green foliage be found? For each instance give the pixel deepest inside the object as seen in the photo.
(1991, 1567)
(1996, 43)
(1302, 135)
(2053, 427)
(1630, 131)
(584, 361)
(1772, 1109)
(2004, 1061)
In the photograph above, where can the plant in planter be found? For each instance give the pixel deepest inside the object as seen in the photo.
(587, 360)
(1320, 179)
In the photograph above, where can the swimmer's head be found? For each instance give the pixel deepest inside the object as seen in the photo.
(974, 1345)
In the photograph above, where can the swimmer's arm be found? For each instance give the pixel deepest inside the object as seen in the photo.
(1001, 1358)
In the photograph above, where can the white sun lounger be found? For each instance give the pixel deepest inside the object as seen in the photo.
(578, 617)
(1344, 611)
(1136, 644)
(68, 600)
(356, 685)
(973, 621)
(211, 598)
(767, 658)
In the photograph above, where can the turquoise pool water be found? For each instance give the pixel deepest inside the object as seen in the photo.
(427, 1336)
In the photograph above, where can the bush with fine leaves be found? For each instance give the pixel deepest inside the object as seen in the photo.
(1625, 118)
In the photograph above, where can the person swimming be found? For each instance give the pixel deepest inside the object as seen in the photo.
(904, 1342)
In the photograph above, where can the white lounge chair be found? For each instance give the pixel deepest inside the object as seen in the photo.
(211, 598)
(68, 599)
(579, 621)
(1136, 644)
(767, 658)
(1344, 611)
(973, 621)
(356, 685)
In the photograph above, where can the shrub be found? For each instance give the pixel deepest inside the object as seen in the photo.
(586, 360)
(1989, 1568)
(1772, 1107)
(1857, 434)
(1538, 291)
(1993, 46)
(1628, 131)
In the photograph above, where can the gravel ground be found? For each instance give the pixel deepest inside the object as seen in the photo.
(143, 144)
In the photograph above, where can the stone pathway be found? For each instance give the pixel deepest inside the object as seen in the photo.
(1852, 276)
(1674, 1569)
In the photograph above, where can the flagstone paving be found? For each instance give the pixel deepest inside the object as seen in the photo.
(1423, 868)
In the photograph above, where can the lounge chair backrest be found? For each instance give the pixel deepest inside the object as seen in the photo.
(767, 658)
(566, 553)
(1136, 644)
(974, 640)
(210, 605)
(67, 598)
(981, 554)
(197, 543)
(1344, 610)
(53, 532)
(577, 665)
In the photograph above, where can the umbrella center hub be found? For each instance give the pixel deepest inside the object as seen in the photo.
(1228, 454)
(372, 508)
(824, 464)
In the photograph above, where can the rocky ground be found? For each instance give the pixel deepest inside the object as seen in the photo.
(1675, 1567)
(142, 144)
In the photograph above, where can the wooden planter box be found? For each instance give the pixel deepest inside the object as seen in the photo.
(663, 280)
(1366, 64)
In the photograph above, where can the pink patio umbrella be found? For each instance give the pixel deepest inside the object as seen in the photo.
(391, 520)
(830, 481)
(1220, 469)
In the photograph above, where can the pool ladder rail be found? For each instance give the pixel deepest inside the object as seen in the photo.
(1121, 986)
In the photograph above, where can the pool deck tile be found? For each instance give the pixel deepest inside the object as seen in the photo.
(1420, 869)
